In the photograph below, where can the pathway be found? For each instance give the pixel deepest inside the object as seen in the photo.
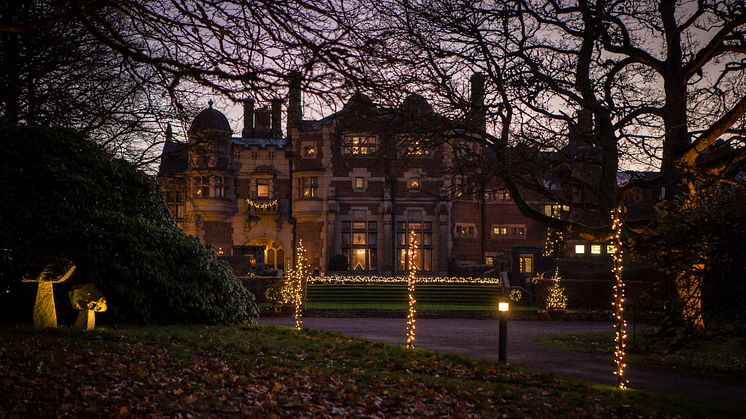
(478, 338)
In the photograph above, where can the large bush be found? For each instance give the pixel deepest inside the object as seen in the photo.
(63, 196)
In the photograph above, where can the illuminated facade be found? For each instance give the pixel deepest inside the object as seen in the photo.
(352, 186)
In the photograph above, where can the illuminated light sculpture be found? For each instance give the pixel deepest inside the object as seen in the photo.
(620, 325)
(89, 300)
(556, 298)
(45, 313)
(261, 205)
(297, 275)
(411, 278)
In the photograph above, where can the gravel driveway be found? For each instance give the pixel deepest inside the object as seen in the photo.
(478, 338)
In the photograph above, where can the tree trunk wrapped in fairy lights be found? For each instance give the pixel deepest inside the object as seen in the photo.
(411, 277)
(297, 276)
(620, 325)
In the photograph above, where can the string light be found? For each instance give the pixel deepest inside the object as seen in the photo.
(261, 205)
(374, 279)
(556, 298)
(620, 325)
(297, 275)
(555, 238)
(412, 251)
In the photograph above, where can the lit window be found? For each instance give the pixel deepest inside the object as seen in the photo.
(415, 148)
(262, 189)
(359, 145)
(509, 231)
(489, 196)
(596, 249)
(610, 249)
(308, 187)
(358, 238)
(579, 249)
(309, 151)
(359, 182)
(526, 264)
(202, 186)
(465, 230)
(423, 235)
(488, 260)
(359, 244)
(414, 183)
(503, 196)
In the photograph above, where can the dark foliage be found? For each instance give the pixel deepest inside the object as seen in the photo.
(709, 233)
(65, 197)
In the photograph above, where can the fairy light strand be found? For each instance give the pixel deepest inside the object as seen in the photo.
(376, 279)
(411, 278)
(297, 275)
(620, 325)
(261, 205)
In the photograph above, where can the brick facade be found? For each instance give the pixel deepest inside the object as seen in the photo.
(351, 184)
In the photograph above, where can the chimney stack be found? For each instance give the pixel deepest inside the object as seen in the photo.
(277, 118)
(248, 118)
(477, 115)
(295, 107)
(262, 119)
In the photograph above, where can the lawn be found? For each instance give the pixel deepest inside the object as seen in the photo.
(718, 355)
(265, 371)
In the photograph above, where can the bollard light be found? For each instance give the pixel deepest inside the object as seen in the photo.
(503, 309)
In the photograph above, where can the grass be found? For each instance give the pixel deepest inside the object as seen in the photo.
(266, 371)
(719, 356)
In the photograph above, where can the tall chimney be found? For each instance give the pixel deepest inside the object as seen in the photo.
(295, 107)
(248, 118)
(277, 117)
(169, 133)
(477, 115)
(261, 122)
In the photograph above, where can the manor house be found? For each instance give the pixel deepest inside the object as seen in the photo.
(351, 186)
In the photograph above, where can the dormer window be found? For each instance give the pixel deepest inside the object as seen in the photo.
(414, 183)
(359, 145)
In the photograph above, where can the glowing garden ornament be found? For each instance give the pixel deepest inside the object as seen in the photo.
(412, 253)
(45, 313)
(620, 325)
(556, 298)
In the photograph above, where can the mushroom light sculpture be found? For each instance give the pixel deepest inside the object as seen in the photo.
(45, 315)
(89, 300)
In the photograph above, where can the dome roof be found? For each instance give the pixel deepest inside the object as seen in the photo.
(210, 118)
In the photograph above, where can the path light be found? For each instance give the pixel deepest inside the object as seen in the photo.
(503, 311)
(45, 314)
